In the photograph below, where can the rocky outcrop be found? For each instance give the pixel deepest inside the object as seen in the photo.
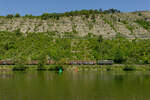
(107, 25)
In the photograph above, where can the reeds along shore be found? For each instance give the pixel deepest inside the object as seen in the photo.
(75, 68)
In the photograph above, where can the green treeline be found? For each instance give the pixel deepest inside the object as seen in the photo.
(43, 46)
(71, 13)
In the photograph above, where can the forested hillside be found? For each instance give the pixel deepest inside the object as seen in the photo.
(43, 46)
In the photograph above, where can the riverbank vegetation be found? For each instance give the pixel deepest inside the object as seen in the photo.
(76, 68)
(22, 48)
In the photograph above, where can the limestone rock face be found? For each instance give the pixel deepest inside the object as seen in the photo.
(107, 25)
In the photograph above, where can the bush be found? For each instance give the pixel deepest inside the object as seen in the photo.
(90, 35)
(144, 24)
(18, 32)
(20, 67)
(42, 62)
(51, 15)
(118, 57)
(9, 16)
(111, 11)
(17, 15)
(139, 14)
(100, 38)
(41, 66)
(29, 16)
(129, 68)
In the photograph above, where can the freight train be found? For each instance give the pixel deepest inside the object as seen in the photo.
(90, 62)
(70, 62)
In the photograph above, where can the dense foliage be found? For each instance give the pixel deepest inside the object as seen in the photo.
(41, 46)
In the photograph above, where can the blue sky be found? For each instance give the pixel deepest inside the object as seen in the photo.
(37, 7)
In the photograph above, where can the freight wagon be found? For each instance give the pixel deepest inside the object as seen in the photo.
(105, 62)
(33, 62)
(81, 62)
(50, 62)
(6, 62)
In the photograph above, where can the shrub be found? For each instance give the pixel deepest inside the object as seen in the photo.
(118, 56)
(143, 23)
(20, 64)
(139, 14)
(124, 22)
(100, 38)
(9, 16)
(17, 15)
(90, 26)
(19, 67)
(29, 16)
(90, 35)
(129, 68)
(18, 32)
(111, 11)
(41, 66)
(42, 62)
(51, 15)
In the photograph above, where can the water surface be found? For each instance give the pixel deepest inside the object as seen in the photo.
(46, 85)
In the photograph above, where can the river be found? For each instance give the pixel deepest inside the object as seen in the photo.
(46, 85)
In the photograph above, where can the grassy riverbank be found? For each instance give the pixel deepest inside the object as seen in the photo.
(82, 68)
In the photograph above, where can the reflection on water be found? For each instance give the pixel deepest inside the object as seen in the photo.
(45, 85)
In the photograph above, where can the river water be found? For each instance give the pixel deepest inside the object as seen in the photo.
(46, 85)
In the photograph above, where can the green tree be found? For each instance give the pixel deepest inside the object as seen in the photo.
(118, 57)
(17, 15)
(9, 16)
